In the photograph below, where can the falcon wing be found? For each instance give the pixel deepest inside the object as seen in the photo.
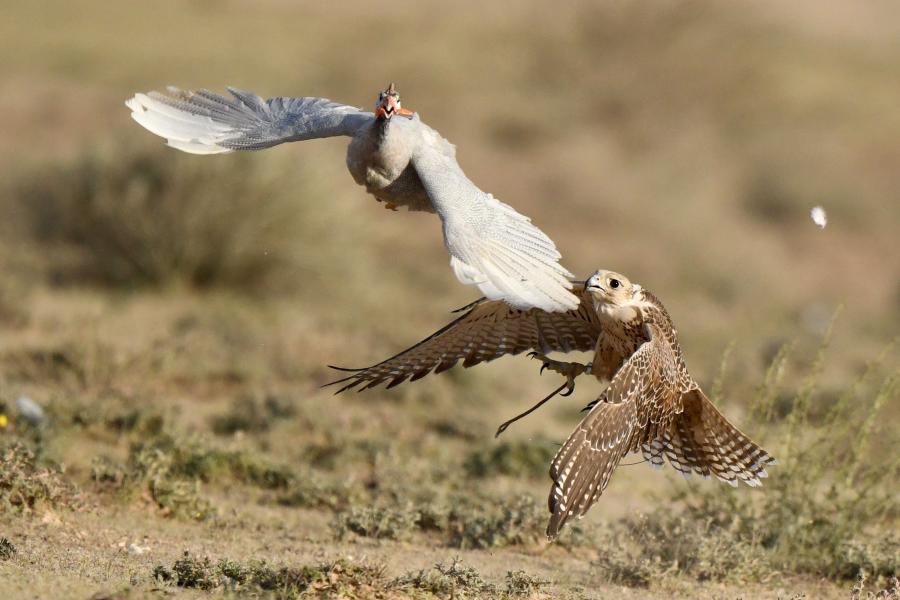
(489, 329)
(490, 244)
(203, 122)
(641, 398)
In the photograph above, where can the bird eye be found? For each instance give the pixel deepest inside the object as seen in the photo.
(613, 283)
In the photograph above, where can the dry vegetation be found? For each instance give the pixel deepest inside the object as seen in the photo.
(173, 314)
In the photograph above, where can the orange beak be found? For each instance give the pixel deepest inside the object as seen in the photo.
(389, 108)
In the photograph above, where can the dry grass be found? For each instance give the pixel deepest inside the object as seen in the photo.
(682, 144)
(127, 217)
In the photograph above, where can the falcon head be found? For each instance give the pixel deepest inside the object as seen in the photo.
(388, 105)
(614, 295)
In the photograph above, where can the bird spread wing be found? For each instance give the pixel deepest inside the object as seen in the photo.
(490, 244)
(203, 122)
(641, 398)
(489, 329)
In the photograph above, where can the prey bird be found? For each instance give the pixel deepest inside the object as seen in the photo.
(398, 159)
(651, 405)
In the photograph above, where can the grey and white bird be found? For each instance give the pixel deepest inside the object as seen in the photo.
(398, 159)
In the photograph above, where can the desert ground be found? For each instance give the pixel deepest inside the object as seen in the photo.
(173, 316)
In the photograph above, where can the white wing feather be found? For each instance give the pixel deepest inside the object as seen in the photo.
(203, 122)
(490, 244)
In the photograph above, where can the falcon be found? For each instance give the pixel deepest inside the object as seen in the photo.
(651, 404)
(399, 159)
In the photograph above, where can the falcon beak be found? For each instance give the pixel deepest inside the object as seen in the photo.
(593, 284)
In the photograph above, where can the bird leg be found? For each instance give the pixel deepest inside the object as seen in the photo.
(569, 370)
(390, 206)
(506, 424)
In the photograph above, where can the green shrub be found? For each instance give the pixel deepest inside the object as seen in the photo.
(128, 216)
(340, 578)
(26, 486)
(515, 458)
(380, 522)
(172, 469)
(7, 549)
(492, 524)
(252, 415)
(449, 581)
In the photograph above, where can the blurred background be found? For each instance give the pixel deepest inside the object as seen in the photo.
(682, 144)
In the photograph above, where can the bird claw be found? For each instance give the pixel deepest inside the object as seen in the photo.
(568, 370)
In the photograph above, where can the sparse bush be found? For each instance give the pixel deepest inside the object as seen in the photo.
(25, 486)
(107, 472)
(449, 581)
(252, 415)
(308, 490)
(340, 578)
(172, 469)
(380, 522)
(7, 550)
(860, 591)
(189, 572)
(516, 458)
(520, 521)
(174, 494)
(520, 583)
(336, 451)
(132, 216)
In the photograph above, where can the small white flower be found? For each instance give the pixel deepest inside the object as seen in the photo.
(818, 216)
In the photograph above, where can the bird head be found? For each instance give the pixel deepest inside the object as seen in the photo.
(388, 105)
(613, 294)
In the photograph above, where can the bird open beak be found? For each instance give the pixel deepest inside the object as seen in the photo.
(389, 107)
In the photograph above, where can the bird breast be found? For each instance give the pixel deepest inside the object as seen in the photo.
(380, 162)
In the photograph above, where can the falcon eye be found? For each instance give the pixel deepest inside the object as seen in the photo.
(613, 283)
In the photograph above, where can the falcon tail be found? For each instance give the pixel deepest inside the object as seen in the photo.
(701, 440)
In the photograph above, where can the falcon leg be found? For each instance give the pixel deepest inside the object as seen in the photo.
(506, 424)
(569, 370)
(390, 206)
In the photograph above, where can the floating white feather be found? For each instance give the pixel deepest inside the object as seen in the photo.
(818, 216)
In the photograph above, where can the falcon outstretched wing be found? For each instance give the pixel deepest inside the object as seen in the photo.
(204, 122)
(490, 244)
(641, 399)
(489, 329)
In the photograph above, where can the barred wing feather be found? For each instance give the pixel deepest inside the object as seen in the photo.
(488, 330)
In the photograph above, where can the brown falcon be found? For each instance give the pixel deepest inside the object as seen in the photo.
(652, 404)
